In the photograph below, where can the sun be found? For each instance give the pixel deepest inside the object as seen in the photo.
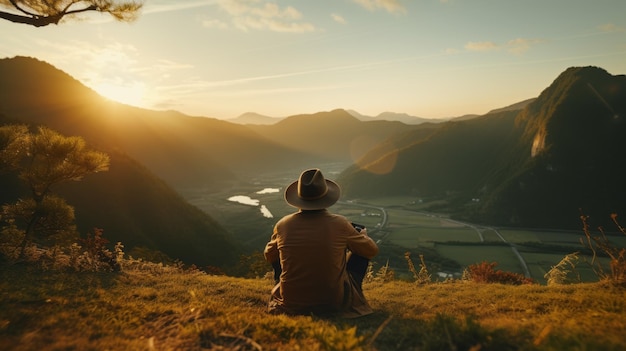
(130, 94)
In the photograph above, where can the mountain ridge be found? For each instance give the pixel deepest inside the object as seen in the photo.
(532, 176)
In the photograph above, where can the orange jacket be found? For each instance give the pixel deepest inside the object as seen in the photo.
(312, 248)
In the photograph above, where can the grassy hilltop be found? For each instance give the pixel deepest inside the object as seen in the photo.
(154, 307)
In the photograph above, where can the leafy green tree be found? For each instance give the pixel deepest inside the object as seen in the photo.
(43, 160)
(41, 13)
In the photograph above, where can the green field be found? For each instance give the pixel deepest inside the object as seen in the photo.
(467, 244)
(467, 255)
(409, 227)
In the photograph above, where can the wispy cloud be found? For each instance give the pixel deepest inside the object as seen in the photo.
(516, 46)
(481, 46)
(197, 84)
(391, 6)
(157, 7)
(521, 45)
(338, 18)
(263, 15)
(215, 23)
(610, 27)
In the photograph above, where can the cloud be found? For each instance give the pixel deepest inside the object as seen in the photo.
(516, 46)
(215, 23)
(520, 45)
(481, 46)
(263, 15)
(391, 6)
(154, 7)
(338, 18)
(610, 27)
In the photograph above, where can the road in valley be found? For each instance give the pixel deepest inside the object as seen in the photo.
(478, 229)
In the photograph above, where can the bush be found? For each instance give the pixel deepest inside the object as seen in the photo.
(484, 272)
(564, 272)
(600, 243)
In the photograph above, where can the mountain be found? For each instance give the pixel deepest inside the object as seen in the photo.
(185, 151)
(533, 167)
(254, 118)
(513, 107)
(448, 159)
(335, 136)
(141, 211)
(136, 208)
(394, 116)
(571, 153)
(128, 202)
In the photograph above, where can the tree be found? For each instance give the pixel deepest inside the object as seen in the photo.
(42, 160)
(41, 13)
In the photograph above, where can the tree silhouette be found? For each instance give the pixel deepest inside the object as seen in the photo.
(42, 160)
(41, 13)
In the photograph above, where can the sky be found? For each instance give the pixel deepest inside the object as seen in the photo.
(426, 58)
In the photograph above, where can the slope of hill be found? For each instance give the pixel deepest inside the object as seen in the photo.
(395, 116)
(167, 309)
(514, 107)
(185, 151)
(571, 153)
(136, 208)
(335, 135)
(128, 202)
(254, 118)
(450, 159)
(536, 167)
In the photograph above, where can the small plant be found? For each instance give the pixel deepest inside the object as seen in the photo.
(369, 273)
(617, 255)
(385, 274)
(98, 256)
(421, 277)
(563, 271)
(484, 272)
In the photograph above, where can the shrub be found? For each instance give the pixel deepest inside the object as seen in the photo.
(617, 255)
(484, 272)
(385, 274)
(562, 273)
(421, 277)
(90, 254)
(97, 256)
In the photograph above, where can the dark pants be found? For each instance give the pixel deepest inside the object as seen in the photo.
(356, 267)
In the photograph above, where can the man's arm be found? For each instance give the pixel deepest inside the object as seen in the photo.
(361, 244)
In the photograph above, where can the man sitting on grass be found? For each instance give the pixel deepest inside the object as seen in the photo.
(319, 258)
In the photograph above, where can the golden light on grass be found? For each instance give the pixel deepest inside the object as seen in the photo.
(161, 307)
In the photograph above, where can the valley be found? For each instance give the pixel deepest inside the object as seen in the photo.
(402, 224)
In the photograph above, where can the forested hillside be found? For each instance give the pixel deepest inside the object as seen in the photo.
(533, 167)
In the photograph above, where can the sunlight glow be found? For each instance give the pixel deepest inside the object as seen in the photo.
(129, 94)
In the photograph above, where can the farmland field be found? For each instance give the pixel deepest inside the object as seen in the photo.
(532, 252)
(401, 223)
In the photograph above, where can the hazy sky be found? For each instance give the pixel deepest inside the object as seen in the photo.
(427, 58)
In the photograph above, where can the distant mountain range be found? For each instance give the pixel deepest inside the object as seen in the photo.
(531, 164)
(258, 119)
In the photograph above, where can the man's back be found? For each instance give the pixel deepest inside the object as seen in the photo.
(309, 249)
(312, 251)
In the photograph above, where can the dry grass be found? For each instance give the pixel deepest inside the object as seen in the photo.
(150, 307)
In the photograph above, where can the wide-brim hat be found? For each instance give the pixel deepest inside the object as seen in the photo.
(312, 191)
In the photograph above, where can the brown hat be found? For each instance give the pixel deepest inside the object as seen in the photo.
(312, 192)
